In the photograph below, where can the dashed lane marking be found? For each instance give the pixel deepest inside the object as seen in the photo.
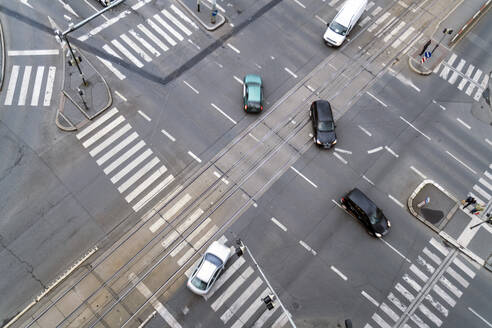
(280, 225)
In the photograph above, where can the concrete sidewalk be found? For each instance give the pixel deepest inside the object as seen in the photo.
(204, 16)
(443, 213)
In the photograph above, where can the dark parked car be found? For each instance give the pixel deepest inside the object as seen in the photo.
(252, 93)
(364, 209)
(323, 123)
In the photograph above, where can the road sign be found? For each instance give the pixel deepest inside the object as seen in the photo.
(214, 13)
(428, 54)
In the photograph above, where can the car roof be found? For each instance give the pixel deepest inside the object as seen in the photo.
(219, 250)
(254, 93)
(362, 201)
(206, 271)
(252, 78)
(323, 109)
(349, 9)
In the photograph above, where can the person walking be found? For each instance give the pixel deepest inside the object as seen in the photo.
(469, 201)
(476, 210)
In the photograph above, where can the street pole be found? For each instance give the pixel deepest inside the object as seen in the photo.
(198, 5)
(489, 220)
(75, 60)
(446, 30)
(214, 11)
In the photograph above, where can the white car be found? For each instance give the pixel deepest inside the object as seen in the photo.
(209, 268)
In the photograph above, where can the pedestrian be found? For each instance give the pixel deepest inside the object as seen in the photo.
(476, 210)
(468, 201)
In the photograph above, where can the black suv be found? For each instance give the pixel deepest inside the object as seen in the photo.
(323, 124)
(364, 209)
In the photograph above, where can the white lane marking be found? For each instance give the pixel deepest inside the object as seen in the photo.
(176, 22)
(461, 162)
(386, 309)
(184, 17)
(170, 213)
(396, 302)
(333, 2)
(411, 282)
(442, 107)
(445, 296)
(142, 54)
(120, 95)
(475, 78)
(374, 150)
(225, 276)
(307, 247)
(418, 172)
(481, 88)
(395, 250)
(231, 311)
(370, 298)
(463, 267)
(428, 267)
(127, 54)
(264, 318)
(238, 79)
(380, 321)
(49, 86)
(161, 32)
(446, 69)
(321, 20)
(403, 291)
(168, 27)
(405, 80)
(218, 175)
(340, 158)
(152, 193)
(463, 123)
(431, 316)
(364, 22)
(113, 69)
(334, 201)
(103, 131)
(144, 115)
(401, 39)
(233, 48)
(110, 140)
(394, 31)
(231, 289)
(45, 52)
(200, 242)
(168, 135)
(189, 85)
(439, 246)
(375, 98)
(251, 310)
(24, 85)
(140, 173)
(124, 157)
(396, 201)
(125, 142)
(404, 120)
(418, 273)
(485, 182)
(94, 125)
(196, 158)
(185, 243)
(190, 220)
(455, 74)
(451, 287)
(367, 179)
(117, 177)
(300, 4)
(144, 43)
(480, 317)
(223, 113)
(281, 321)
(391, 151)
(467, 77)
(310, 88)
(432, 256)
(456, 276)
(37, 86)
(304, 177)
(151, 36)
(145, 291)
(171, 238)
(280, 225)
(343, 150)
(438, 306)
(338, 272)
(365, 131)
(290, 72)
(376, 11)
(481, 191)
(419, 322)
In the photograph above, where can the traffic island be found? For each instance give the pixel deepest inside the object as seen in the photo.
(84, 96)
(202, 11)
(443, 213)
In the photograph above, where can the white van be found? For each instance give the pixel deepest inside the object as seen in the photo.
(344, 21)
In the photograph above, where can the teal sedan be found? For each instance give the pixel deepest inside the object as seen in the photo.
(252, 93)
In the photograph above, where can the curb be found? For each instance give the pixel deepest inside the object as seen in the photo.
(416, 70)
(221, 19)
(441, 233)
(2, 53)
(470, 23)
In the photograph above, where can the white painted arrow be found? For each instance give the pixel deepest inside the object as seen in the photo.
(68, 8)
(24, 2)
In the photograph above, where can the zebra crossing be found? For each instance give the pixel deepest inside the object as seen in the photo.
(148, 40)
(124, 158)
(30, 85)
(473, 78)
(426, 292)
(482, 190)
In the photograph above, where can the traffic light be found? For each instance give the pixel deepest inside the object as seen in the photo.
(268, 300)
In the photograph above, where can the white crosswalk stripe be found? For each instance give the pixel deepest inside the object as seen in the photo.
(161, 32)
(225, 277)
(437, 305)
(445, 71)
(147, 45)
(127, 53)
(231, 311)
(468, 74)
(142, 54)
(176, 22)
(455, 74)
(152, 37)
(240, 322)
(168, 27)
(25, 88)
(231, 289)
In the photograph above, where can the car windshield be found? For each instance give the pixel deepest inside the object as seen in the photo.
(213, 259)
(338, 28)
(198, 283)
(375, 217)
(325, 126)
